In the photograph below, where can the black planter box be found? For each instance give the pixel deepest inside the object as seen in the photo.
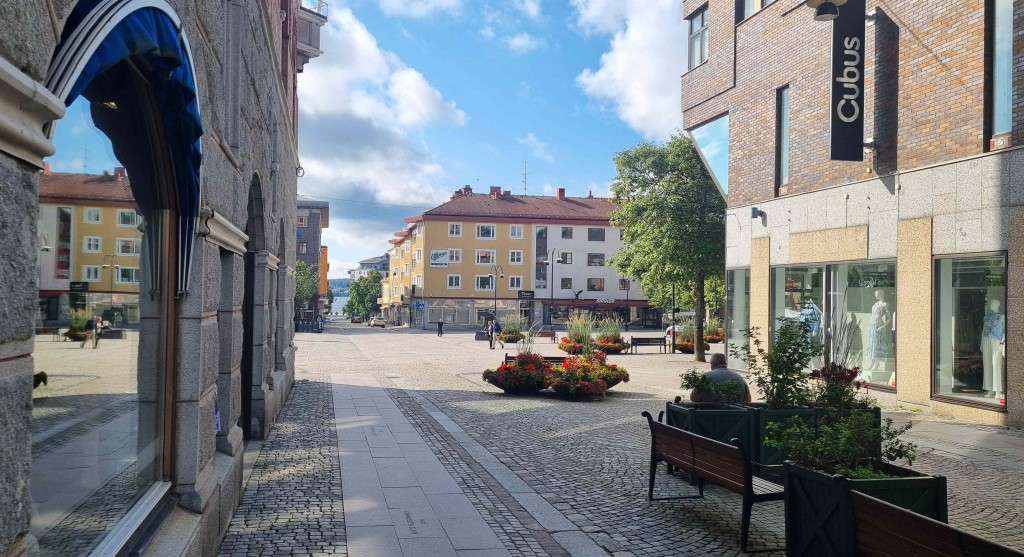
(721, 422)
(819, 516)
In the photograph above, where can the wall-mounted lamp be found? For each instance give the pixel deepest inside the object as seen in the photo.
(869, 153)
(756, 213)
(870, 17)
(825, 10)
(299, 171)
(869, 145)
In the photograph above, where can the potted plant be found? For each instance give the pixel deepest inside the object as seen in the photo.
(609, 337)
(77, 319)
(526, 374)
(716, 416)
(578, 326)
(512, 329)
(685, 345)
(611, 374)
(578, 375)
(779, 373)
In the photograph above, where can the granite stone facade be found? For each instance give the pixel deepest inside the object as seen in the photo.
(244, 57)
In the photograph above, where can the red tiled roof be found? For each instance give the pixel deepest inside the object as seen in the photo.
(525, 207)
(87, 187)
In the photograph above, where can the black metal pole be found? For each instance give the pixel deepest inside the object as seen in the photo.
(674, 317)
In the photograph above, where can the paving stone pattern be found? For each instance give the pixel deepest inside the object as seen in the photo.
(293, 502)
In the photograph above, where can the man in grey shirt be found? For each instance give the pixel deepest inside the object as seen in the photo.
(720, 374)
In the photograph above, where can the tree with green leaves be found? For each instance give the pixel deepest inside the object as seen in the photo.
(307, 279)
(330, 299)
(363, 294)
(673, 217)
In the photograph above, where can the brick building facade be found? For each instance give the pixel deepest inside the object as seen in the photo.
(927, 228)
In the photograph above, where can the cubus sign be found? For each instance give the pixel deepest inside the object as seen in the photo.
(847, 106)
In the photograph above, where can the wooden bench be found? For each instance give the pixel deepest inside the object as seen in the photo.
(704, 459)
(553, 360)
(646, 341)
(546, 334)
(885, 530)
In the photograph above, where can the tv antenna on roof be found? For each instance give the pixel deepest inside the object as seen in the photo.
(525, 174)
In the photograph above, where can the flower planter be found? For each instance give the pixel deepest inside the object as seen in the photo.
(770, 458)
(819, 516)
(721, 422)
(76, 335)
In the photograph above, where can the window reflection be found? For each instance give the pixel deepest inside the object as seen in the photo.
(712, 138)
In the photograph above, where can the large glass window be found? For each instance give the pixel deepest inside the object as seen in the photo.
(862, 309)
(799, 293)
(1002, 68)
(698, 37)
(737, 312)
(970, 329)
(540, 271)
(712, 138)
(782, 137)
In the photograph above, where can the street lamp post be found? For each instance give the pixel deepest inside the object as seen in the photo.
(498, 272)
(628, 313)
(110, 284)
(551, 305)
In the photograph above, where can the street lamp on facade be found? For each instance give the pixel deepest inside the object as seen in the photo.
(551, 304)
(497, 272)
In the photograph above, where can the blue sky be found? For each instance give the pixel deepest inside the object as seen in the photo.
(415, 98)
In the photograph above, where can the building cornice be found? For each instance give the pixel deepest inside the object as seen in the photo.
(220, 231)
(27, 106)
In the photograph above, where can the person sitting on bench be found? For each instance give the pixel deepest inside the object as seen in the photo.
(720, 374)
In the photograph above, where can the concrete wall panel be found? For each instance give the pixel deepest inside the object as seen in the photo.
(914, 326)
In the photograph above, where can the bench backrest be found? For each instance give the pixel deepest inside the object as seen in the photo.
(718, 463)
(646, 341)
(885, 530)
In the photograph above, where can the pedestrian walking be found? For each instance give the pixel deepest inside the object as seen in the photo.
(440, 327)
(98, 331)
(497, 334)
(90, 331)
(490, 334)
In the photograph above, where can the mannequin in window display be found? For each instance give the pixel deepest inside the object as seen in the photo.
(879, 332)
(993, 349)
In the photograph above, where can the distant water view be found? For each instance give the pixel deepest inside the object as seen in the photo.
(339, 304)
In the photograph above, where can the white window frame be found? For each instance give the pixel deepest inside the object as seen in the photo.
(125, 211)
(491, 280)
(301, 248)
(512, 260)
(454, 255)
(418, 280)
(418, 256)
(122, 269)
(137, 242)
(515, 282)
(405, 269)
(493, 253)
(494, 231)
(85, 273)
(454, 229)
(566, 257)
(85, 244)
(90, 210)
(455, 284)
(302, 222)
(512, 231)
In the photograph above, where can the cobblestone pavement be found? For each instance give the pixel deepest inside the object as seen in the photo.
(557, 477)
(292, 504)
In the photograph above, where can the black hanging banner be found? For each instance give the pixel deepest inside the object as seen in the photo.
(847, 106)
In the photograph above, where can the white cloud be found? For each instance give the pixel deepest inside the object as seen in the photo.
(418, 103)
(639, 74)
(360, 110)
(530, 8)
(521, 43)
(487, 32)
(537, 147)
(524, 89)
(418, 8)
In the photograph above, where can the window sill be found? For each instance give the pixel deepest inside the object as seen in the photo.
(696, 67)
(993, 407)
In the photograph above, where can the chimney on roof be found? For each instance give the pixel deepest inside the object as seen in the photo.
(495, 192)
(507, 193)
(106, 173)
(560, 194)
(46, 169)
(119, 173)
(590, 195)
(467, 189)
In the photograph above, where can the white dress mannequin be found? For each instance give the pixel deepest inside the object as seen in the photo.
(993, 350)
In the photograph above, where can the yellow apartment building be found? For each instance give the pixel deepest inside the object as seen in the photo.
(484, 255)
(90, 247)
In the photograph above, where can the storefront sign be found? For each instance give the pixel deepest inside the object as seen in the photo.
(438, 258)
(526, 294)
(606, 300)
(79, 287)
(847, 106)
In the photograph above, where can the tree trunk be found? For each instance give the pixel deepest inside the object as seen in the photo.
(698, 319)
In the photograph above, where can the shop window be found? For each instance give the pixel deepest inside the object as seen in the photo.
(970, 329)
(799, 293)
(737, 313)
(595, 284)
(862, 319)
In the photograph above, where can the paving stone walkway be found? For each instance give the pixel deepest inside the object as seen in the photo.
(392, 445)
